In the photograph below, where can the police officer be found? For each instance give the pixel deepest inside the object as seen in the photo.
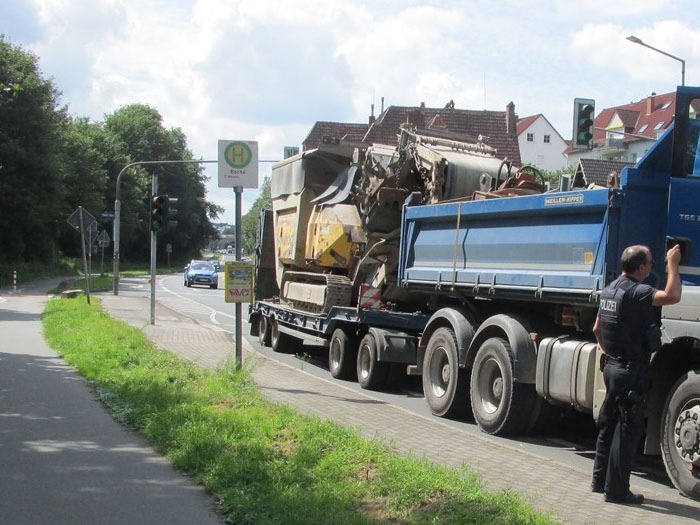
(622, 328)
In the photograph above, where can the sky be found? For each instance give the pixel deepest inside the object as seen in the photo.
(267, 70)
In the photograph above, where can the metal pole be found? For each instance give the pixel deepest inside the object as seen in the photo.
(639, 41)
(154, 247)
(238, 309)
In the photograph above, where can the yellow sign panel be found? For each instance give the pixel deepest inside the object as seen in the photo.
(238, 281)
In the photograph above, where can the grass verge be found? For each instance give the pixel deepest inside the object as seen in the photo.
(264, 463)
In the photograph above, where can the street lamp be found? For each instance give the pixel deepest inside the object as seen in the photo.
(637, 40)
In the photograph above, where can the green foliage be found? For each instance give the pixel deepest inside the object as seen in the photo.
(31, 175)
(51, 163)
(264, 463)
(249, 221)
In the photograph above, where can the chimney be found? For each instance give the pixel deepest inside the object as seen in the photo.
(650, 103)
(371, 117)
(382, 111)
(510, 119)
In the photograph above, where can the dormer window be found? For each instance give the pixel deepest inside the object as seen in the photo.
(643, 128)
(659, 126)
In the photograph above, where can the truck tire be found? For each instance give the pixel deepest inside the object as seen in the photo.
(264, 330)
(500, 405)
(680, 435)
(283, 343)
(342, 355)
(445, 385)
(371, 374)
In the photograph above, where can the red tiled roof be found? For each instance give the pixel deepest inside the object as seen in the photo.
(491, 125)
(645, 117)
(526, 122)
(339, 130)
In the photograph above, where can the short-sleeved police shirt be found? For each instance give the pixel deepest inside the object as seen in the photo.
(624, 326)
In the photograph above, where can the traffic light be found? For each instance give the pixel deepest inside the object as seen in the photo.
(583, 122)
(171, 212)
(159, 213)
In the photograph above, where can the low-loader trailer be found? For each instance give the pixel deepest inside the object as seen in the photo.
(438, 257)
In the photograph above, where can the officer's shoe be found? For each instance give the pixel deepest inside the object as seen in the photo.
(626, 499)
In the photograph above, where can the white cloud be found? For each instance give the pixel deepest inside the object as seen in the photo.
(266, 70)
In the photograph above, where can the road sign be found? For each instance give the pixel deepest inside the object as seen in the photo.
(238, 164)
(103, 239)
(238, 280)
(82, 220)
(107, 215)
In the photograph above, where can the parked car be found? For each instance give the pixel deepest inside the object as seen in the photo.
(201, 273)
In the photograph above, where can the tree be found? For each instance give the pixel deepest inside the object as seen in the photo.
(31, 175)
(139, 132)
(86, 156)
(249, 222)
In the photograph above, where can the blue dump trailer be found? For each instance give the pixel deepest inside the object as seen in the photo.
(490, 295)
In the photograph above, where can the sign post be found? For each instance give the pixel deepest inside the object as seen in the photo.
(86, 224)
(238, 169)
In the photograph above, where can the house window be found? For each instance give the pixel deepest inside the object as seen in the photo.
(531, 137)
(643, 128)
(659, 126)
(546, 139)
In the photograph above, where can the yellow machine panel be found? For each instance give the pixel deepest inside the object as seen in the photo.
(335, 235)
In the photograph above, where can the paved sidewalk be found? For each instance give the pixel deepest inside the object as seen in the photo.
(548, 485)
(63, 459)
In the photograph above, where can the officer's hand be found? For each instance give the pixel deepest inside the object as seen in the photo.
(673, 256)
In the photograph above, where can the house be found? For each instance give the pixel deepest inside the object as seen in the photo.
(540, 144)
(339, 130)
(599, 172)
(624, 133)
(495, 128)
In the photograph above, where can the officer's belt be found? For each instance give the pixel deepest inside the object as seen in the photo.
(622, 360)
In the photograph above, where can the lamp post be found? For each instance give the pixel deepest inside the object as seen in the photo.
(637, 40)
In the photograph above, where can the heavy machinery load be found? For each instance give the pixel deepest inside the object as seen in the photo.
(408, 256)
(337, 209)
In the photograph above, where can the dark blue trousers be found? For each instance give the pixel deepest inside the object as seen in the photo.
(620, 426)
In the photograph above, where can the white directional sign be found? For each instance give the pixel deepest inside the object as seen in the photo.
(238, 164)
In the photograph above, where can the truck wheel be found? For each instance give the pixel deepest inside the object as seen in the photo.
(500, 405)
(444, 383)
(263, 331)
(371, 374)
(680, 435)
(342, 355)
(281, 342)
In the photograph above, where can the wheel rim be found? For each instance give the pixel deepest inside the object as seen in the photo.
(439, 372)
(274, 334)
(262, 329)
(491, 386)
(364, 360)
(334, 354)
(686, 434)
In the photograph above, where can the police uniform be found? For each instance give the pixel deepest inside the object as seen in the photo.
(625, 314)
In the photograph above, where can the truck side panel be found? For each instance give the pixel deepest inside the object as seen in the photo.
(542, 245)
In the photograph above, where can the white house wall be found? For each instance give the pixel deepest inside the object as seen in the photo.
(546, 156)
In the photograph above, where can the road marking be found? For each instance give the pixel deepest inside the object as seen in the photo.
(200, 308)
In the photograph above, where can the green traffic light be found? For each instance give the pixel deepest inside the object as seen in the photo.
(159, 213)
(583, 115)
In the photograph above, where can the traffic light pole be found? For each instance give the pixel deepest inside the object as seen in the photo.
(154, 246)
(117, 208)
